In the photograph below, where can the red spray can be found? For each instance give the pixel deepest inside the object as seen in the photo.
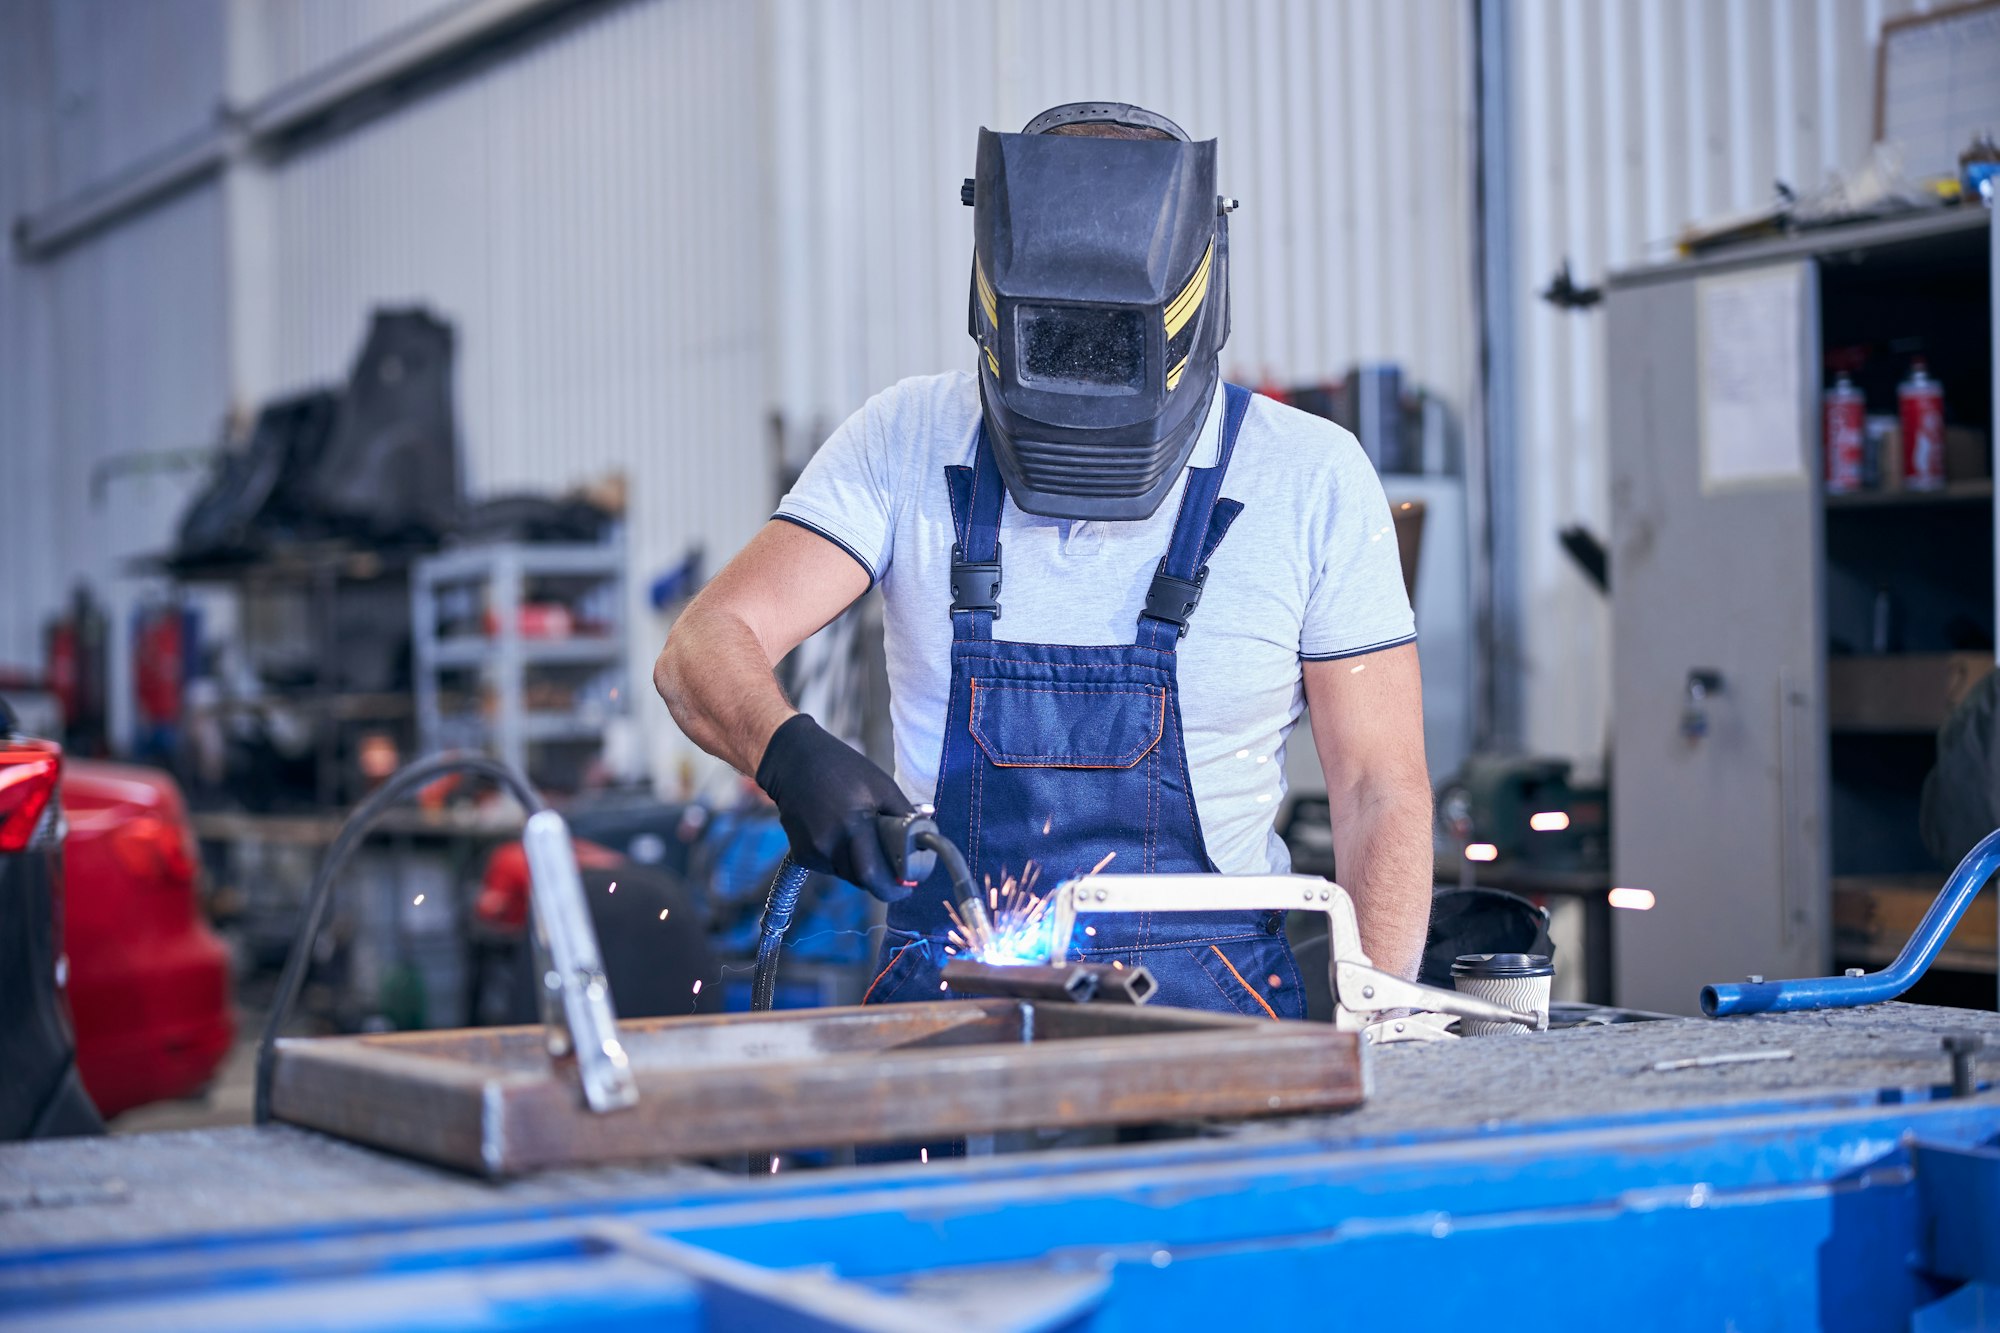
(1845, 436)
(1921, 400)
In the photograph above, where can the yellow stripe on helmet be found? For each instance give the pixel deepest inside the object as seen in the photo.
(1183, 307)
(1174, 375)
(987, 302)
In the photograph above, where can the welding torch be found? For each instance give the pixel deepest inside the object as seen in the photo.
(912, 844)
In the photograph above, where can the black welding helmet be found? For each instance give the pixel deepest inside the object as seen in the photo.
(1100, 303)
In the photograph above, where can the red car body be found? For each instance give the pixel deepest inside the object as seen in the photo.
(149, 982)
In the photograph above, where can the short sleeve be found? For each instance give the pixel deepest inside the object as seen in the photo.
(847, 492)
(1357, 603)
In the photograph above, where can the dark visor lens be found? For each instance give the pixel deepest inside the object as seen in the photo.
(1081, 347)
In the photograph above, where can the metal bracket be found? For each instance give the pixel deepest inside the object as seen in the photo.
(1361, 992)
(582, 1027)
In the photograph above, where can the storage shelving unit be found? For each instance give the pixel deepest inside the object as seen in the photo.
(1773, 813)
(520, 651)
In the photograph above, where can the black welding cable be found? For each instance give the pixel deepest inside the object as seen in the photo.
(783, 901)
(955, 867)
(402, 783)
(779, 904)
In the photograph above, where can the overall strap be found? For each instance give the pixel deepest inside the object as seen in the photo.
(976, 496)
(1199, 528)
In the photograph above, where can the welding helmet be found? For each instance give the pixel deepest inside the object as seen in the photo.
(1100, 303)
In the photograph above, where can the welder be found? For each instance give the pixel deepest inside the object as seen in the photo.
(1112, 583)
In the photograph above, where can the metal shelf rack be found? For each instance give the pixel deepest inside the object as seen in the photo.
(467, 619)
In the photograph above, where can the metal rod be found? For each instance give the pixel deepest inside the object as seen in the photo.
(1079, 983)
(1775, 997)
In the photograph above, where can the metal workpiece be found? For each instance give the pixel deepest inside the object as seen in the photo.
(1758, 996)
(1078, 983)
(1362, 992)
(580, 1028)
(486, 1100)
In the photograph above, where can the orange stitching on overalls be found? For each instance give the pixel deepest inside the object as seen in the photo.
(1244, 984)
(894, 959)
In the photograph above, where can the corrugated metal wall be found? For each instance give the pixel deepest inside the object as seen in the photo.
(1631, 118)
(130, 80)
(116, 346)
(1353, 241)
(590, 216)
(303, 36)
(599, 213)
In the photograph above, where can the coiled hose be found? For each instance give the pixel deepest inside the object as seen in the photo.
(779, 905)
(412, 778)
(783, 901)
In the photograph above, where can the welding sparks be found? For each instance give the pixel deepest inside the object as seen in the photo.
(613, 888)
(1048, 823)
(924, 1155)
(417, 901)
(697, 987)
(1017, 925)
(1481, 851)
(663, 913)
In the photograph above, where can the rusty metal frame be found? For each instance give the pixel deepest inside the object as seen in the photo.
(486, 1100)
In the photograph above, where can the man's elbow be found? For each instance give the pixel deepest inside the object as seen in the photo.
(670, 668)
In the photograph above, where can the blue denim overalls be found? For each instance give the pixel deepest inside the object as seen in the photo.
(1058, 754)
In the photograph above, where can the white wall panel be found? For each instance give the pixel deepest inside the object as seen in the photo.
(131, 78)
(135, 360)
(590, 216)
(1631, 119)
(304, 36)
(115, 347)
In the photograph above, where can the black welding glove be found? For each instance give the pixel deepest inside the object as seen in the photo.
(829, 796)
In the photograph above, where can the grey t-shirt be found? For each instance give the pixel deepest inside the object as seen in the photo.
(1308, 571)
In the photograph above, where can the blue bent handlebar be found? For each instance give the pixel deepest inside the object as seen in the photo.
(1776, 997)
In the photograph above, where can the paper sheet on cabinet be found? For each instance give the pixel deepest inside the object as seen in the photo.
(1748, 335)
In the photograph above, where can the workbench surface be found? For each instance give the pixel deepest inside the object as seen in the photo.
(86, 1192)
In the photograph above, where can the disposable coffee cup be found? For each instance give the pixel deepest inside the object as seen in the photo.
(1517, 981)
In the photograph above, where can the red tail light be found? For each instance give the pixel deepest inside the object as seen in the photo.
(154, 848)
(29, 772)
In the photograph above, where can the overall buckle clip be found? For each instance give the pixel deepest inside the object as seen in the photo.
(1173, 600)
(975, 584)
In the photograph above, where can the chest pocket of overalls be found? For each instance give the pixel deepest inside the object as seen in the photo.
(1066, 749)
(1067, 724)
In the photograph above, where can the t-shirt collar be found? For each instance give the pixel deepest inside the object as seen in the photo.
(1208, 445)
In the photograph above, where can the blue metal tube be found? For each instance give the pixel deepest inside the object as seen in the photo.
(1776, 997)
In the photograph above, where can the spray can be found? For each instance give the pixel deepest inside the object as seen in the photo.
(1844, 432)
(1921, 402)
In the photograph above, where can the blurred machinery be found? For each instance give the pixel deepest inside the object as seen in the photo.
(1520, 813)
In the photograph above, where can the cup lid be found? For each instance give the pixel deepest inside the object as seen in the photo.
(1498, 965)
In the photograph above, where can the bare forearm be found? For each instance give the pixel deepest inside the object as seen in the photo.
(715, 676)
(1382, 848)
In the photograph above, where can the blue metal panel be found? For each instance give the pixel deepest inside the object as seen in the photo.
(1832, 1217)
(1960, 1187)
